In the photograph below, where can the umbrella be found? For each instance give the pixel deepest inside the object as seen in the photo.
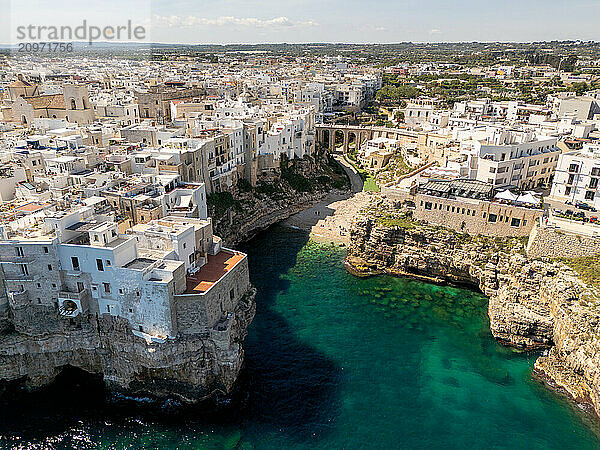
(528, 198)
(505, 195)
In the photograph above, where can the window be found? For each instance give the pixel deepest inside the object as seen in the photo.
(593, 183)
(49, 267)
(596, 171)
(571, 179)
(232, 294)
(79, 286)
(75, 262)
(106, 287)
(45, 249)
(574, 168)
(567, 190)
(428, 205)
(589, 195)
(100, 265)
(24, 269)
(19, 251)
(492, 218)
(108, 263)
(121, 291)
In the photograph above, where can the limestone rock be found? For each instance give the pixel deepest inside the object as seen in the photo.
(532, 303)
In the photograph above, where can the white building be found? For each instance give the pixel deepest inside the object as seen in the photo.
(577, 176)
(508, 158)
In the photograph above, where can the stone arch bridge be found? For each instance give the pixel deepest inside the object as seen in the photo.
(326, 135)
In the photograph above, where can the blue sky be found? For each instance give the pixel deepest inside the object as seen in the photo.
(258, 21)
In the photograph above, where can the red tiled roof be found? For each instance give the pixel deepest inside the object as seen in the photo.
(32, 207)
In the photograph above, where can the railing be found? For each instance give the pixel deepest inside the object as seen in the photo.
(68, 311)
(19, 277)
(74, 295)
(16, 259)
(18, 297)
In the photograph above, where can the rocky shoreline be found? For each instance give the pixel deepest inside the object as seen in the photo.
(533, 304)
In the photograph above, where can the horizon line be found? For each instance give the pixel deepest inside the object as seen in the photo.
(583, 41)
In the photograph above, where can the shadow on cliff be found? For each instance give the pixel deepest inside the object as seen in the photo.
(291, 386)
(286, 386)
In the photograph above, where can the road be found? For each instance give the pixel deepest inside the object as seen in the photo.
(356, 181)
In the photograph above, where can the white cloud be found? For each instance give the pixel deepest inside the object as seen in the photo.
(434, 31)
(249, 22)
(381, 29)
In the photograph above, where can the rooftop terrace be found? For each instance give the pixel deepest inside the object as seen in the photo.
(215, 268)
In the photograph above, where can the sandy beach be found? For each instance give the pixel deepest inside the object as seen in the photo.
(330, 219)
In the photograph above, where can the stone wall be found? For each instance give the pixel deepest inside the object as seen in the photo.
(197, 313)
(33, 297)
(4, 308)
(552, 243)
(475, 217)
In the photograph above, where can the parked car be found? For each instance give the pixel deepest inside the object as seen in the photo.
(593, 219)
(579, 215)
(568, 212)
(582, 205)
(585, 206)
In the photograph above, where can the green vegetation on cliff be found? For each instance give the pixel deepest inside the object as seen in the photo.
(300, 180)
(588, 268)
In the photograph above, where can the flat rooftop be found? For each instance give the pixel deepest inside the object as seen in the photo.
(215, 268)
(139, 263)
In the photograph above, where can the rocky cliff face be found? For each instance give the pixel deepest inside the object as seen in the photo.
(189, 368)
(533, 304)
(301, 183)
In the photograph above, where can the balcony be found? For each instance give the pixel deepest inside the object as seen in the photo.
(71, 304)
(18, 297)
(19, 277)
(74, 295)
(16, 259)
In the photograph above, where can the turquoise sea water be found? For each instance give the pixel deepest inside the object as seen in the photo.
(333, 361)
